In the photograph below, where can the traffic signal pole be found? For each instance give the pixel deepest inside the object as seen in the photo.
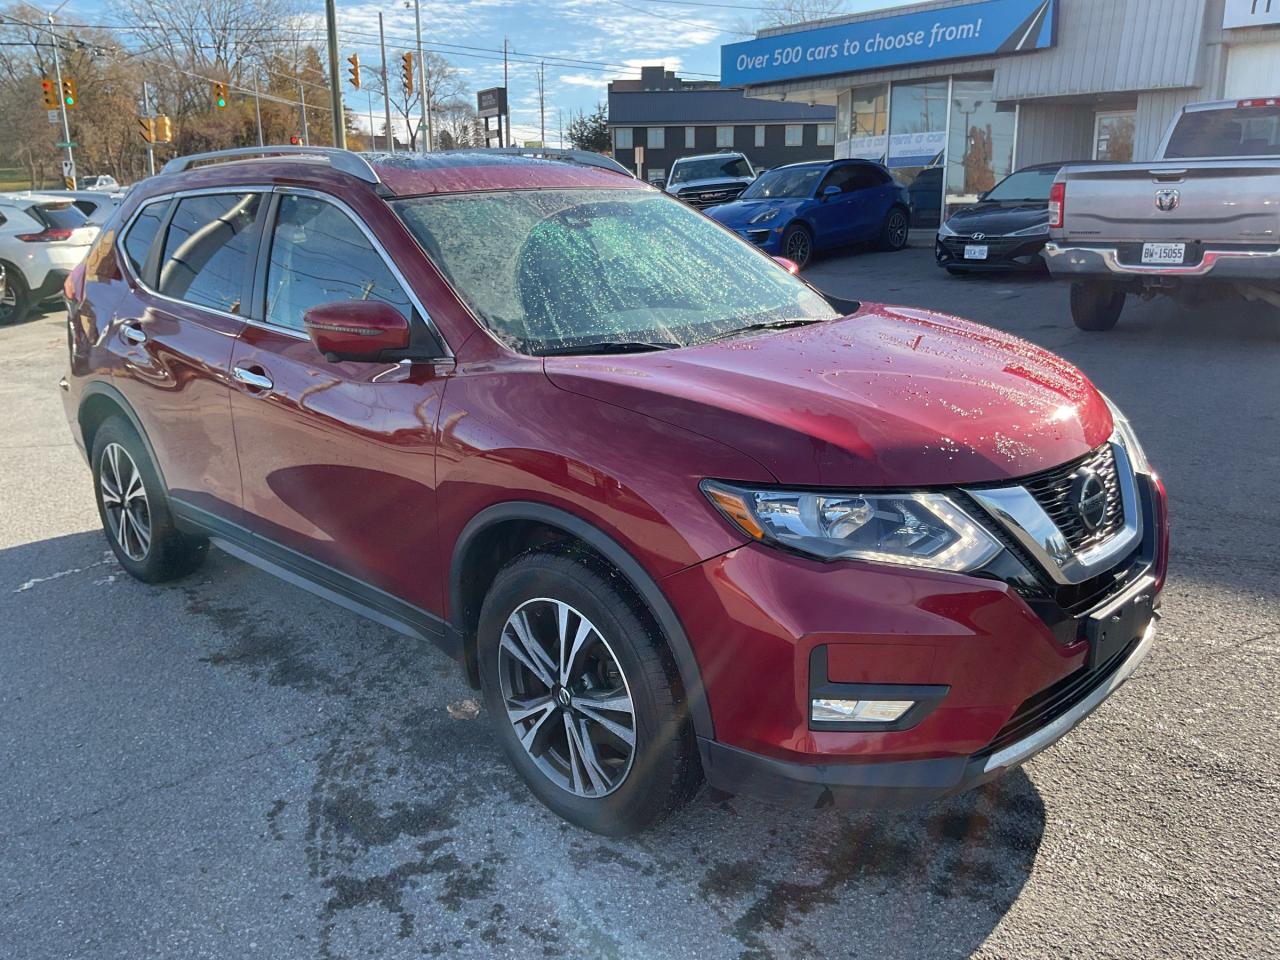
(386, 87)
(335, 75)
(151, 147)
(62, 108)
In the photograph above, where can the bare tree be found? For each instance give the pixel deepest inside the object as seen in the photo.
(780, 13)
(447, 90)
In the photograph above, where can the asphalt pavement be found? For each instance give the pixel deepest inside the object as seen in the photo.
(228, 767)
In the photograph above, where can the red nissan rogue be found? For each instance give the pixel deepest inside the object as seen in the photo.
(676, 514)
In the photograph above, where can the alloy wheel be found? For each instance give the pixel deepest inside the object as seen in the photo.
(798, 247)
(898, 229)
(567, 697)
(8, 303)
(124, 502)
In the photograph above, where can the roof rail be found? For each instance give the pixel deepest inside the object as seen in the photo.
(584, 157)
(343, 160)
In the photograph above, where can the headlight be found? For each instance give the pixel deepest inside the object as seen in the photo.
(915, 529)
(1124, 435)
(764, 216)
(944, 230)
(1035, 230)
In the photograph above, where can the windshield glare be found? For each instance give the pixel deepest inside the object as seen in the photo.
(798, 182)
(710, 168)
(1229, 132)
(1025, 185)
(553, 269)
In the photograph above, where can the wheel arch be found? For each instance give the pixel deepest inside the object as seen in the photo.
(99, 401)
(522, 525)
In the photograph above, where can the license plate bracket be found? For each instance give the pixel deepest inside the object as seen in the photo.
(1119, 623)
(975, 251)
(1164, 253)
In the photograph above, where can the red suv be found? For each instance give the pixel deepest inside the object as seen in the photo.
(673, 512)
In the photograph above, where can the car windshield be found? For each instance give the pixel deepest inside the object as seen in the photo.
(553, 270)
(1228, 132)
(794, 182)
(709, 168)
(1025, 185)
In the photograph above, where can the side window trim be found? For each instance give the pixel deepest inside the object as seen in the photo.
(257, 315)
(143, 277)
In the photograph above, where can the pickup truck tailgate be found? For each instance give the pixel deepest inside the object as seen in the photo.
(1209, 201)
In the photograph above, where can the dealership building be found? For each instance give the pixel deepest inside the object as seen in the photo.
(954, 94)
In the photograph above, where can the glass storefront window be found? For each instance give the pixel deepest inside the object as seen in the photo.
(917, 144)
(980, 142)
(862, 132)
(1113, 136)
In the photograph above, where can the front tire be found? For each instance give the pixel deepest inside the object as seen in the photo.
(797, 244)
(134, 511)
(1095, 305)
(895, 231)
(584, 695)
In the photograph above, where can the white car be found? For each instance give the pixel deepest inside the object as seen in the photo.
(96, 205)
(43, 237)
(103, 181)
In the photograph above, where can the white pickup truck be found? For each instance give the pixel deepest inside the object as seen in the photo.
(1200, 222)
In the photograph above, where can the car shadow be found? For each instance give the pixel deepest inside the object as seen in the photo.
(402, 823)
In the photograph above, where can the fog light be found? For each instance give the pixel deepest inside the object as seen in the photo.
(858, 711)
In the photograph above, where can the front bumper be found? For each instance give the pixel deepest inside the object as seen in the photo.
(1247, 263)
(907, 782)
(1003, 253)
(765, 237)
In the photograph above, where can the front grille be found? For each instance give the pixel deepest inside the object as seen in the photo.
(997, 247)
(1041, 709)
(1052, 490)
(708, 198)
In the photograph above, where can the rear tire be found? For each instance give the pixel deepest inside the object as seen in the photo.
(895, 231)
(1095, 304)
(592, 777)
(134, 510)
(797, 244)
(15, 305)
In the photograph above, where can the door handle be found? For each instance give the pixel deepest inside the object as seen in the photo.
(252, 378)
(133, 333)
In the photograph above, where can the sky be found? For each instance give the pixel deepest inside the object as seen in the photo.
(586, 43)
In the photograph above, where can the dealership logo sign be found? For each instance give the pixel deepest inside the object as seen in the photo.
(1168, 200)
(1250, 13)
(984, 29)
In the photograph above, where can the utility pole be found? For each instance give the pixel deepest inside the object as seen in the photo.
(70, 164)
(151, 147)
(302, 99)
(560, 124)
(369, 94)
(335, 75)
(542, 104)
(386, 87)
(425, 123)
(257, 110)
(506, 96)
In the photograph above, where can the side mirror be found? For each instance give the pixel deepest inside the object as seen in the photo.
(829, 192)
(790, 266)
(364, 330)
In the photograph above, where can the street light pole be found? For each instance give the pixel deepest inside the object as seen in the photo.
(257, 110)
(62, 108)
(425, 123)
(151, 147)
(386, 87)
(335, 75)
(302, 98)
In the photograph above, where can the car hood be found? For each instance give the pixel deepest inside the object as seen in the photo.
(886, 397)
(739, 212)
(999, 219)
(711, 183)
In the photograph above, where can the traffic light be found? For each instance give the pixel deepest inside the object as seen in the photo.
(49, 90)
(69, 96)
(295, 140)
(147, 129)
(354, 60)
(219, 95)
(406, 73)
(162, 129)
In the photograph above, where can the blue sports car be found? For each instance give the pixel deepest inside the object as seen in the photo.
(797, 210)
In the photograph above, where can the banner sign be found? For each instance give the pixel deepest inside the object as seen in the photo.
(991, 27)
(916, 149)
(1250, 13)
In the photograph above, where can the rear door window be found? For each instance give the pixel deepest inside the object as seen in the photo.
(319, 255)
(142, 233)
(210, 250)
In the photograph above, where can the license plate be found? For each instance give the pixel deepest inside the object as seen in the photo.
(1164, 252)
(975, 251)
(1113, 628)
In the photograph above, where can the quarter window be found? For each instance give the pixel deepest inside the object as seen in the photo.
(724, 136)
(795, 135)
(207, 250)
(142, 233)
(318, 255)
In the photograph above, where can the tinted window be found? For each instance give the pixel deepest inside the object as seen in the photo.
(710, 168)
(318, 255)
(1230, 132)
(1025, 185)
(137, 242)
(207, 250)
(784, 182)
(59, 216)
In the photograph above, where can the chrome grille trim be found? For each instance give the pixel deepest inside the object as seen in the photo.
(1025, 518)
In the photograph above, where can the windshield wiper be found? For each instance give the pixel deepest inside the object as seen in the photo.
(610, 346)
(764, 325)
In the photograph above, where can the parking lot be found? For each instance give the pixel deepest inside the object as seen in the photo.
(230, 767)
